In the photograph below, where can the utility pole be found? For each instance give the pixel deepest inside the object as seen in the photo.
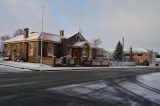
(42, 30)
(123, 49)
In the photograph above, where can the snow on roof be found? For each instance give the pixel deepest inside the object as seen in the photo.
(15, 39)
(80, 44)
(138, 50)
(158, 59)
(36, 36)
(51, 37)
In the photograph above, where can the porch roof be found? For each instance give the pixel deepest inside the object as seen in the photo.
(81, 44)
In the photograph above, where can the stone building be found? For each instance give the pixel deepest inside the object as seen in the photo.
(27, 47)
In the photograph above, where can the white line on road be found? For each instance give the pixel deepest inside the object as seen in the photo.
(7, 97)
(26, 83)
(3, 73)
(8, 79)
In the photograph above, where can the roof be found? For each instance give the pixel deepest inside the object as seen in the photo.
(36, 36)
(139, 50)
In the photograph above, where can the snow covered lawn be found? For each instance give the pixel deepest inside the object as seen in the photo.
(152, 80)
(25, 65)
(7, 69)
(141, 91)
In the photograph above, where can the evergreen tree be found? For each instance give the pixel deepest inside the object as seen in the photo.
(117, 55)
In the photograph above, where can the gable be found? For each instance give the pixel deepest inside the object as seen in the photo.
(78, 37)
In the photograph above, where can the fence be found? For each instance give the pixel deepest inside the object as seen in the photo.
(117, 64)
(100, 62)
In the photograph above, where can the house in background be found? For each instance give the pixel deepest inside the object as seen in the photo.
(140, 56)
(27, 47)
(1, 47)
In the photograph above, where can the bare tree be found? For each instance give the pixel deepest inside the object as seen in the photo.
(5, 37)
(18, 32)
(2, 39)
(97, 42)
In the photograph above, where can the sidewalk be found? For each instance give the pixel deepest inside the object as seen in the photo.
(43, 67)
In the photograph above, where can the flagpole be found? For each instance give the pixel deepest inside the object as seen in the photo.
(42, 31)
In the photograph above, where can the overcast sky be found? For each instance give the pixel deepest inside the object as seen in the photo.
(138, 21)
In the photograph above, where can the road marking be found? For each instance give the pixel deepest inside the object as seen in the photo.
(7, 97)
(26, 83)
(8, 80)
(3, 73)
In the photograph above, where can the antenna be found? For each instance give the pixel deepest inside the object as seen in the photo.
(80, 30)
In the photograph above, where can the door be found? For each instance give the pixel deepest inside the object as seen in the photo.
(76, 54)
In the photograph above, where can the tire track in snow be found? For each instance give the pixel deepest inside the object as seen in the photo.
(134, 80)
(131, 95)
(140, 91)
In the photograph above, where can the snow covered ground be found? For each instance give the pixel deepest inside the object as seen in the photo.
(142, 91)
(152, 80)
(96, 90)
(43, 67)
(7, 69)
(145, 87)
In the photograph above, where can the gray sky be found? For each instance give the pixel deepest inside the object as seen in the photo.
(138, 21)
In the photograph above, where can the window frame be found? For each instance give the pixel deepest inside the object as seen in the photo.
(17, 49)
(49, 50)
(30, 49)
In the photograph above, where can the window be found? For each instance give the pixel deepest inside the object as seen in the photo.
(17, 49)
(68, 51)
(30, 49)
(7, 49)
(49, 50)
(126, 54)
(85, 51)
(58, 50)
(44, 49)
(139, 54)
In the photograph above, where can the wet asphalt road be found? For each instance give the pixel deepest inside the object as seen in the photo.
(28, 88)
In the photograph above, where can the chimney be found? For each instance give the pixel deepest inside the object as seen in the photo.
(61, 32)
(26, 32)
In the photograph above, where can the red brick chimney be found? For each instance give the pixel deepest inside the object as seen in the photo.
(61, 32)
(26, 32)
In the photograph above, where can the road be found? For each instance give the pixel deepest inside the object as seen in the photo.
(19, 87)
